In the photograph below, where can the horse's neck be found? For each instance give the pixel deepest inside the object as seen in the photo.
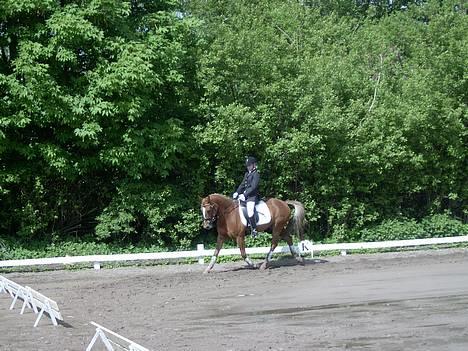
(222, 201)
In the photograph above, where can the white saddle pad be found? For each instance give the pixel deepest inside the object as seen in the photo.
(264, 215)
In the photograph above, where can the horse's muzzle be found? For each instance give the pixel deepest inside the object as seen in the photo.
(208, 224)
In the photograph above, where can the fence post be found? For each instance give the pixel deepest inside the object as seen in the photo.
(201, 249)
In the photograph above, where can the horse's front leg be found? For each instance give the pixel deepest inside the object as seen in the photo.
(219, 245)
(241, 245)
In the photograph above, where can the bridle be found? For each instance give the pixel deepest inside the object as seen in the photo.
(214, 217)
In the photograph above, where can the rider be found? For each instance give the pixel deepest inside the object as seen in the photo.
(248, 190)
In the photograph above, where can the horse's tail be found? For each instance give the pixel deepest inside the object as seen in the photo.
(298, 222)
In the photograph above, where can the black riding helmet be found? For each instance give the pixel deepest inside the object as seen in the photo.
(250, 160)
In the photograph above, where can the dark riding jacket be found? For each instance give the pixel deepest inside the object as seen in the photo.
(249, 185)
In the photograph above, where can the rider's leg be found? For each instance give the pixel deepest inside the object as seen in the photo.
(251, 213)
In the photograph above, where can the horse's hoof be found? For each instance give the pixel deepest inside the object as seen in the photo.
(300, 260)
(264, 266)
(206, 271)
(252, 266)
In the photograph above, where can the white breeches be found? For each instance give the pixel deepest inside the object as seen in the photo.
(250, 208)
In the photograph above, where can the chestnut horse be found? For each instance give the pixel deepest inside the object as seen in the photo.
(223, 212)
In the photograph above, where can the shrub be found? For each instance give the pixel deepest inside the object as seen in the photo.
(441, 225)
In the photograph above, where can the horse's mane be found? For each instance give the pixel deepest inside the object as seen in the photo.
(221, 199)
(221, 196)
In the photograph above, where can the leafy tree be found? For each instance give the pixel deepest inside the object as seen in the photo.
(357, 109)
(94, 100)
(115, 116)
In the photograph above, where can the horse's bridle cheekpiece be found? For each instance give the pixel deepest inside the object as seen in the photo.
(214, 217)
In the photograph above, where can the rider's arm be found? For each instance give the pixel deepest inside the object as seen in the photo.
(241, 188)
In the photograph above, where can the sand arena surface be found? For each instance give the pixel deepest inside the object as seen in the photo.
(395, 301)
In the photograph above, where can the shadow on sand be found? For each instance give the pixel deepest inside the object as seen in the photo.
(289, 262)
(275, 264)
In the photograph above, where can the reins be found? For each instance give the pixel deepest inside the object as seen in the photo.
(226, 211)
(234, 206)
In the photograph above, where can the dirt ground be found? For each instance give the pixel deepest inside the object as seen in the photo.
(395, 301)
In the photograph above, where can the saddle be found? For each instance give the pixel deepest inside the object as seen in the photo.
(262, 213)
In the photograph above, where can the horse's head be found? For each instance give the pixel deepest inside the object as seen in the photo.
(209, 212)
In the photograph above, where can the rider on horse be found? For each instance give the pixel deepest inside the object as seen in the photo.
(248, 190)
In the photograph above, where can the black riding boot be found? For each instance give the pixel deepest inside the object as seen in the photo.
(253, 226)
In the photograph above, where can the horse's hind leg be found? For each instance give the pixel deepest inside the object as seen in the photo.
(241, 244)
(274, 244)
(294, 253)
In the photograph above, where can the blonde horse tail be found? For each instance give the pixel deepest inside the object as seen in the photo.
(298, 222)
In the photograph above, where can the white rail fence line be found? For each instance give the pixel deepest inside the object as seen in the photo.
(32, 299)
(109, 338)
(308, 247)
(305, 247)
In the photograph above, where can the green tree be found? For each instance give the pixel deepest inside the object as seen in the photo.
(95, 111)
(357, 109)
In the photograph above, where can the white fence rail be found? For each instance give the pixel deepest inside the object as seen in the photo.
(32, 299)
(305, 247)
(111, 339)
(308, 247)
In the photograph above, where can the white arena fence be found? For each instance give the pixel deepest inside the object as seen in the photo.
(305, 248)
(112, 340)
(32, 299)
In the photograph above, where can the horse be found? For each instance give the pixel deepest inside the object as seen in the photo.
(223, 212)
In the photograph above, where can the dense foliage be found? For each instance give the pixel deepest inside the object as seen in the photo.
(116, 116)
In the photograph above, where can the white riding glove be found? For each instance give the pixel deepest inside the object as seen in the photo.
(242, 197)
(235, 195)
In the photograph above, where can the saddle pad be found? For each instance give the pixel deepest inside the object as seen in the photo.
(264, 215)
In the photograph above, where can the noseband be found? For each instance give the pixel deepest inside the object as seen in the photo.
(211, 219)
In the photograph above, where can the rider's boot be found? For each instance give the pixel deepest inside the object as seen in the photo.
(253, 226)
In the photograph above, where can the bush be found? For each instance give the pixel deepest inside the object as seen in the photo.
(3, 250)
(36, 249)
(440, 225)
